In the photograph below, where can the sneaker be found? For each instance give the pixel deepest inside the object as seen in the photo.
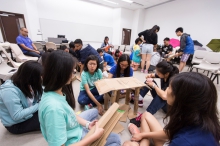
(140, 103)
(136, 121)
(146, 71)
(133, 129)
(142, 71)
(88, 106)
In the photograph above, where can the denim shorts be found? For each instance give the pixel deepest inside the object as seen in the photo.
(147, 49)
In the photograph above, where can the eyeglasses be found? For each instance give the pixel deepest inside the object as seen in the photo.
(25, 31)
(123, 65)
(74, 72)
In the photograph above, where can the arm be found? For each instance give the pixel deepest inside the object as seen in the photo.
(81, 121)
(182, 43)
(110, 75)
(161, 93)
(105, 64)
(142, 33)
(34, 46)
(81, 68)
(26, 48)
(14, 106)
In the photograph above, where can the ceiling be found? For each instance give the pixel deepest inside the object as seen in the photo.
(137, 4)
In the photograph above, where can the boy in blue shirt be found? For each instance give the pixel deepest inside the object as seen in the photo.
(85, 51)
(108, 59)
(26, 45)
(186, 47)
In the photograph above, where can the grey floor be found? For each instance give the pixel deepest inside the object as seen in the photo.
(36, 139)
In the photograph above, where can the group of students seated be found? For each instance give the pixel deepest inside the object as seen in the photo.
(39, 96)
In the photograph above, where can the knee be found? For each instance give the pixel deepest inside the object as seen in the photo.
(146, 115)
(115, 138)
(127, 143)
(95, 112)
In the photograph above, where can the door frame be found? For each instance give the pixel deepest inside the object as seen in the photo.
(122, 35)
(1, 24)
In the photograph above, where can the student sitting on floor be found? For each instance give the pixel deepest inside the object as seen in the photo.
(155, 59)
(59, 124)
(67, 89)
(106, 46)
(165, 70)
(108, 59)
(122, 68)
(85, 51)
(193, 115)
(64, 48)
(117, 54)
(167, 48)
(136, 57)
(89, 96)
(19, 99)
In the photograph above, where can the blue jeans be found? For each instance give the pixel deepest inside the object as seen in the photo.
(157, 102)
(92, 114)
(84, 99)
(33, 54)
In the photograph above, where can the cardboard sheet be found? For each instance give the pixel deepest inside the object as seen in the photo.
(106, 85)
(107, 122)
(125, 108)
(131, 114)
(118, 128)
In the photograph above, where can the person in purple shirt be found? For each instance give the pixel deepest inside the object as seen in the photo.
(192, 118)
(26, 45)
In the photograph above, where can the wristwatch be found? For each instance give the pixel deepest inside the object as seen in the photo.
(87, 125)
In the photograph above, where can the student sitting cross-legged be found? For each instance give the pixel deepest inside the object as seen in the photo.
(19, 99)
(89, 95)
(193, 115)
(59, 124)
(108, 59)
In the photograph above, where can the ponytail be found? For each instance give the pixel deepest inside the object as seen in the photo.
(167, 67)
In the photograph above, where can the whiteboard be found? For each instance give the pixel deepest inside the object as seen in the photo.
(72, 31)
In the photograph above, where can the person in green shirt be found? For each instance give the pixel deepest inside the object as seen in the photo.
(89, 96)
(59, 124)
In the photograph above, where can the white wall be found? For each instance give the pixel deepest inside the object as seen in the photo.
(1, 36)
(200, 19)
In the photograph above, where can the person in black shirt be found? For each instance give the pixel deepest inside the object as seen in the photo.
(167, 48)
(150, 42)
(165, 70)
(73, 51)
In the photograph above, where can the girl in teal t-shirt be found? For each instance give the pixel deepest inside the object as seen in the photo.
(58, 122)
(89, 95)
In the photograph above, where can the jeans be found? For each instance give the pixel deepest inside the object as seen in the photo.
(84, 99)
(29, 125)
(157, 102)
(92, 114)
(33, 54)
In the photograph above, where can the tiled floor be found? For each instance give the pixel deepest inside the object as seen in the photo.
(36, 139)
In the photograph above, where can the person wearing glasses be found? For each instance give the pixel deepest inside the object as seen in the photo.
(122, 68)
(26, 44)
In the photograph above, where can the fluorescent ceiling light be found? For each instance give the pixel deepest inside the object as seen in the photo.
(110, 2)
(128, 1)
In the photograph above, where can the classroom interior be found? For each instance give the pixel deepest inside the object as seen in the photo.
(121, 21)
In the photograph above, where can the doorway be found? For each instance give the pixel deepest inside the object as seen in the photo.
(126, 36)
(10, 24)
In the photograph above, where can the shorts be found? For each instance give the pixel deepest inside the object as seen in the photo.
(147, 49)
(184, 57)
